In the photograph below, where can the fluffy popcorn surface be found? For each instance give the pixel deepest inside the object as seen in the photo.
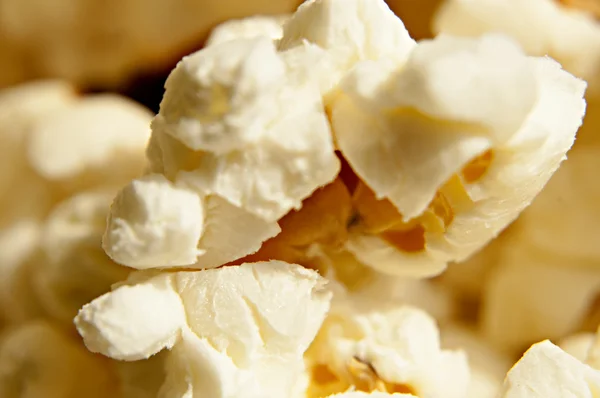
(471, 169)
(593, 357)
(248, 28)
(350, 31)
(96, 132)
(154, 223)
(251, 136)
(227, 333)
(72, 268)
(542, 27)
(515, 315)
(545, 371)
(394, 350)
(38, 359)
(105, 44)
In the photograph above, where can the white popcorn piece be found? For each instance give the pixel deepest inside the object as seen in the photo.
(228, 336)
(545, 371)
(542, 27)
(390, 350)
(234, 106)
(248, 28)
(350, 31)
(38, 359)
(488, 366)
(152, 222)
(72, 268)
(533, 295)
(489, 138)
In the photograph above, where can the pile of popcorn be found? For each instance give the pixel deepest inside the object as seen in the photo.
(323, 207)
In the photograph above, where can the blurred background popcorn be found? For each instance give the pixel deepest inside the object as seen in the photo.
(81, 80)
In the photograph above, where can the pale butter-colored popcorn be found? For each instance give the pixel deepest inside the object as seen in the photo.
(18, 301)
(250, 141)
(542, 27)
(383, 346)
(55, 143)
(71, 268)
(247, 28)
(99, 43)
(488, 366)
(39, 359)
(559, 221)
(545, 371)
(534, 294)
(460, 140)
(227, 335)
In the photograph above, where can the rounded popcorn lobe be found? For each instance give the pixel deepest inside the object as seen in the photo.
(133, 322)
(227, 335)
(547, 371)
(38, 359)
(99, 138)
(153, 223)
(422, 197)
(251, 134)
(393, 350)
(352, 30)
(543, 27)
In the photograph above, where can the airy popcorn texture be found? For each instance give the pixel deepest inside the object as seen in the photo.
(287, 209)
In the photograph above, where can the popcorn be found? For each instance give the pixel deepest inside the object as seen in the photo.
(221, 129)
(542, 27)
(82, 140)
(227, 335)
(72, 268)
(467, 174)
(163, 223)
(383, 346)
(39, 360)
(18, 301)
(567, 204)
(545, 371)
(227, 146)
(534, 295)
(487, 366)
(247, 28)
(61, 144)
